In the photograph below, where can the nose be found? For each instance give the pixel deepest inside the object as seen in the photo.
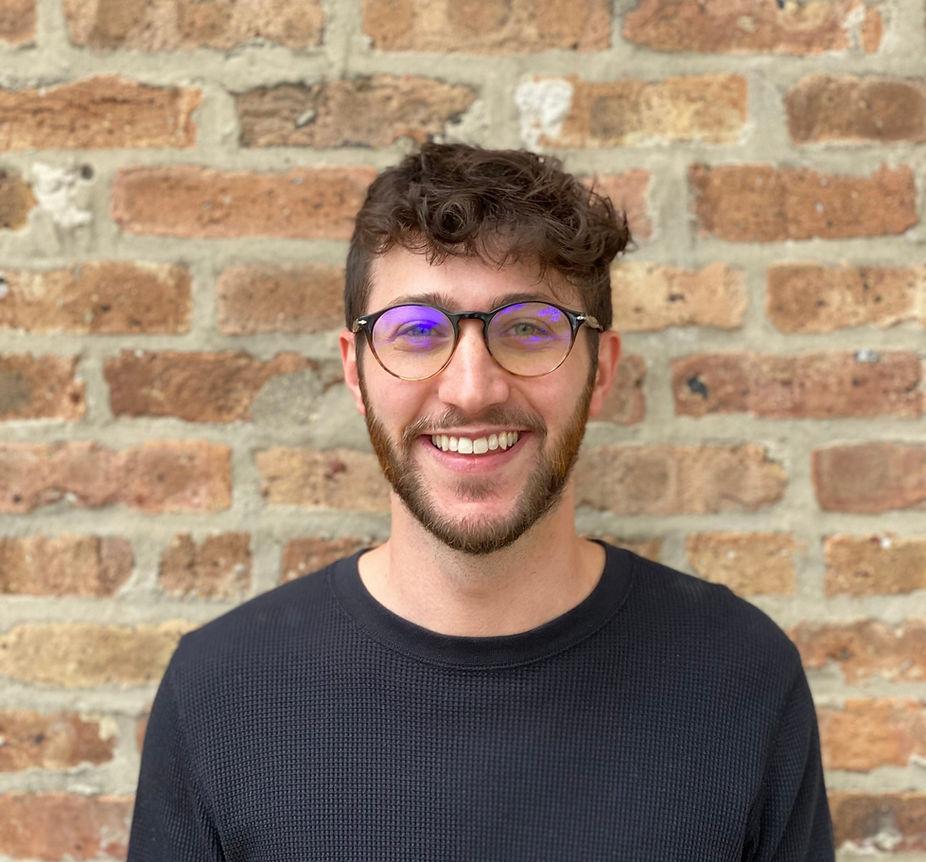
(473, 381)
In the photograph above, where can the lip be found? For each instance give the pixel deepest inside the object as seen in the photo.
(487, 463)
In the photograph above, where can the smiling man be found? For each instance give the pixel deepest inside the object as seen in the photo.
(486, 684)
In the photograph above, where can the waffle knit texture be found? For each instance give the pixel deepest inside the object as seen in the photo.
(663, 719)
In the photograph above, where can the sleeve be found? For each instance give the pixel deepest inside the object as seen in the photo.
(791, 818)
(171, 819)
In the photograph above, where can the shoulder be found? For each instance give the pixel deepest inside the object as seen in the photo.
(708, 625)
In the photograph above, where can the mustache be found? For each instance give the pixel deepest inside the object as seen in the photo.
(454, 418)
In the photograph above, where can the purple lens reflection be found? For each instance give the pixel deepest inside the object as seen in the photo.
(413, 341)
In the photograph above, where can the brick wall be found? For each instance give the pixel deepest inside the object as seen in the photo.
(177, 181)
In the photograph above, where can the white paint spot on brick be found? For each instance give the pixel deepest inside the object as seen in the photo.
(867, 355)
(56, 190)
(543, 105)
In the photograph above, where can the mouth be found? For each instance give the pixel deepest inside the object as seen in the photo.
(464, 445)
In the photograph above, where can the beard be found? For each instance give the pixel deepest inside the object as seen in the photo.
(481, 535)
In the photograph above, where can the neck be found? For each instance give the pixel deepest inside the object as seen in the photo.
(543, 574)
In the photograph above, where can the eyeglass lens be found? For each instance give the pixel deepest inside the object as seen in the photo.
(527, 338)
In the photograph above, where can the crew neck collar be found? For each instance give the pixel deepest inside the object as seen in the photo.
(405, 637)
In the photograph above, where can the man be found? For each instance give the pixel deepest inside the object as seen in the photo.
(485, 685)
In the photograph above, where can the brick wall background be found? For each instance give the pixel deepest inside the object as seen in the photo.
(177, 181)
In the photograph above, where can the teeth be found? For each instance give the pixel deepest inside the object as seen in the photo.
(475, 445)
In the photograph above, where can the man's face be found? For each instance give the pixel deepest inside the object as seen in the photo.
(475, 502)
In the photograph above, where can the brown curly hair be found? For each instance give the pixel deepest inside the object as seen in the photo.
(502, 206)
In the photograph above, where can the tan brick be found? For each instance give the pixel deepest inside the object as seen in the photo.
(709, 108)
(828, 108)
(649, 296)
(881, 824)
(64, 565)
(482, 26)
(870, 477)
(96, 113)
(810, 386)
(86, 655)
(750, 564)
(809, 297)
(141, 727)
(16, 200)
(265, 298)
(306, 556)
(866, 734)
(739, 26)
(188, 200)
(666, 480)
(372, 111)
(60, 826)
(872, 30)
(17, 21)
(197, 387)
(171, 25)
(761, 203)
(334, 479)
(865, 649)
(626, 403)
(629, 193)
(158, 476)
(649, 548)
(61, 740)
(874, 565)
(217, 567)
(40, 387)
(105, 297)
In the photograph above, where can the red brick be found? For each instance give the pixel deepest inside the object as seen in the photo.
(828, 108)
(334, 479)
(811, 386)
(604, 114)
(87, 655)
(762, 203)
(17, 21)
(866, 734)
(197, 387)
(883, 823)
(629, 193)
(649, 296)
(808, 297)
(626, 403)
(188, 200)
(874, 565)
(64, 565)
(16, 200)
(870, 477)
(666, 480)
(306, 556)
(61, 740)
(750, 564)
(171, 25)
(482, 26)
(103, 112)
(372, 111)
(813, 27)
(217, 567)
(158, 476)
(60, 826)
(872, 30)
(105, 297)
(40, 387)
(297, 298)
(865, 649)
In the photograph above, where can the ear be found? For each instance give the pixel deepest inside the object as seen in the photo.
(609, 351)
(348, 344)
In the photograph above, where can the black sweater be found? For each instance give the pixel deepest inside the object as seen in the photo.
(663, 719)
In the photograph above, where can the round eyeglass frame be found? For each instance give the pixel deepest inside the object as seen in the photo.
(576, 319)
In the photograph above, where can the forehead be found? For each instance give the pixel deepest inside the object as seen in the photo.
(460, 283)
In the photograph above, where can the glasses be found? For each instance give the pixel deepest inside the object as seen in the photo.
(414, 342)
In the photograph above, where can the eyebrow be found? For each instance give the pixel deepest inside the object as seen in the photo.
(443, 300)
